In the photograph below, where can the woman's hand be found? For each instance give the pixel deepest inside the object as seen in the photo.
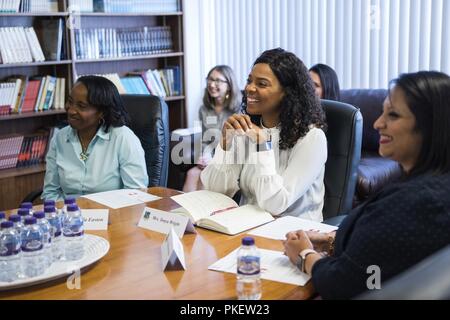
(295, 243)
(240, 124)
(321, 241)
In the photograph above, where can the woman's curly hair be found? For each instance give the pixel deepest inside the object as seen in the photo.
(300, 108)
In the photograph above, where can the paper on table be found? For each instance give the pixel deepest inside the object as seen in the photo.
(116, 199)
(275, 266)
(277, 229)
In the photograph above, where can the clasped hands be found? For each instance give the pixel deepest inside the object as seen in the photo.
(297, 241)
(241, 125)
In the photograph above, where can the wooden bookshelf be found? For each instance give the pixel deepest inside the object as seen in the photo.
(16, 183)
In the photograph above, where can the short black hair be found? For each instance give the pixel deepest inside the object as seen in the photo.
(427, 95)
(104, 96)
(329, 80)
(300, 106)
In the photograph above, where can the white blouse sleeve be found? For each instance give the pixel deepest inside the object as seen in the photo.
(222, 174)
(275, 193)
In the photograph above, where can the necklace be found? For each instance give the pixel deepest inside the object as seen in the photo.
(83, 154)
(268, 130)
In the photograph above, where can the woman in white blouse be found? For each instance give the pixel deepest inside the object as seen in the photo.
(283, 174)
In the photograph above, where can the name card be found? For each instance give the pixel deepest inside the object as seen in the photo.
(172, 252)
(163, 221)
(95, 219)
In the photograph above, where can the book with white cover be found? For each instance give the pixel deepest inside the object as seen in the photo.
(218, 212)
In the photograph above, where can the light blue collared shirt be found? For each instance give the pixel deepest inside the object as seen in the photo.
(115, 161)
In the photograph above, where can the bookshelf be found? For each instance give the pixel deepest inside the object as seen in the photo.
(16, 183)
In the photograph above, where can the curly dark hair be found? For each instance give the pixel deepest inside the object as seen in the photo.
(104, 96)
(300, 106)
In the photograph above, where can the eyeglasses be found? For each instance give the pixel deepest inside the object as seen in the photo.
(215, 81)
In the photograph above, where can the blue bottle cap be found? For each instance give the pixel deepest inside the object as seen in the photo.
(26, 205)
(2, 215)
(49, 203)
(248, 241)
(69, 200)
(72, 207)
(6, 224)
(23, 212)
(39, 214)
(49, 208)
(30, 220)
(14, 218)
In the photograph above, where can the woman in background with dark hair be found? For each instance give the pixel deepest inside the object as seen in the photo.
(96, 152)
(326, 82)
(284, 173)
(406, 221)
(221, 99)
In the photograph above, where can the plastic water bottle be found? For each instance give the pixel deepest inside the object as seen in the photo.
(56, 230)
(68, 201)
(73, 232)
(10, 258)
(18, 225)
(2, 216)
(46, 237)
(49, 203)
(248, 285)
(27, 205)
(32, 249)
(23, 213)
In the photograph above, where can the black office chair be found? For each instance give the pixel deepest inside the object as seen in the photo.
(427, 280)
(150, 122)
(344, 136)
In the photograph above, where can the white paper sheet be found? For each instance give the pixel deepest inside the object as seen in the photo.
(275, 266)
(277, 229)
(116, 199)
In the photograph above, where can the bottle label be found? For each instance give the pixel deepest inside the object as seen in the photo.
(31, 245)
(248, 265)
(9, 249)
(73, 234)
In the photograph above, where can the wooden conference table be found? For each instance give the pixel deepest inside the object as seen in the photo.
(132, 267)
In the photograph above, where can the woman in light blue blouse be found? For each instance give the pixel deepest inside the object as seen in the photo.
(97, 151)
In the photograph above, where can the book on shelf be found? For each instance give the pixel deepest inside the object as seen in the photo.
(124, 6)
(51, 35)
(218, 212)
(19, 45)
(9, 151)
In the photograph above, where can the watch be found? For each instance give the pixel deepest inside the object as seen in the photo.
(301, 265)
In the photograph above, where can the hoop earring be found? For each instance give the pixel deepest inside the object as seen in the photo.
(227, 96)
(101, 122)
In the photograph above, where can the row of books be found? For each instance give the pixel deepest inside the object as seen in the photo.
(23, 94)
(12, 6)
(22, 45)
(124, 6)
(163, 82)
(114, 43)
(23, 151)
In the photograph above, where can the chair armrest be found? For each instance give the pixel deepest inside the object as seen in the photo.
(33, 195)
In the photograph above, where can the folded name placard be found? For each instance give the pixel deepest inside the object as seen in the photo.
(163, 221)
(172, 252)
(95, 219)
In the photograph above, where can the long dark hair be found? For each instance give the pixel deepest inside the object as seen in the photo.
(104, 96)
(300, 108)
(329, 81)
(427, 95)
(233, 101)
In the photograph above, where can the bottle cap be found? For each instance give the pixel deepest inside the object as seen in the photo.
(69, 200)
(14, 218)
(49, 203)
(49, 208)
(26, 205)
(39, 214)
(23, 212)
(2, 215)
(30, 220)
(6, 224)
(72, 207)
(248, 241)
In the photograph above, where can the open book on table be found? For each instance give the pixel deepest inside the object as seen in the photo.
(218, 212)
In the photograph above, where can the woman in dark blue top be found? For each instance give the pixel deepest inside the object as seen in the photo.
(406, 221)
